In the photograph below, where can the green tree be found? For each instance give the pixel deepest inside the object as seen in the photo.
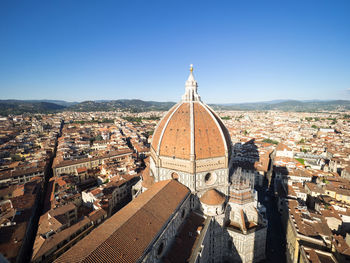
(302, 161)
(99, 138)
(268, 140)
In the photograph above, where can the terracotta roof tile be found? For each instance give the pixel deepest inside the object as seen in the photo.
(126, 235)
(159, 129)
(212, 197)
(186, 240)
(208, 139)
(176, 139)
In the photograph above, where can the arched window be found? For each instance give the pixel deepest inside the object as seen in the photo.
(160, 249)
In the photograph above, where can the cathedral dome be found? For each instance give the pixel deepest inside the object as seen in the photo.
(191, 130)
(212, 197)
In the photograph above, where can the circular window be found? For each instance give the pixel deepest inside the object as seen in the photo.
(209, 179)
(175, 176)
(160, 249)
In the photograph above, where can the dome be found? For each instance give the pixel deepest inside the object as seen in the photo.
(191, 130)
(212, 197)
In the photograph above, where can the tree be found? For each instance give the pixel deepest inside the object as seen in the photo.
(300, 160)
(98, 138)
(270, 141)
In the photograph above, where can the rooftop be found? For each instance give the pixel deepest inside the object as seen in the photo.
(115, 240)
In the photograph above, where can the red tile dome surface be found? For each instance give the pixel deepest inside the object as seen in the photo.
(172, 136)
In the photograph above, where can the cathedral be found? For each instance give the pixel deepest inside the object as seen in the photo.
(195, 206)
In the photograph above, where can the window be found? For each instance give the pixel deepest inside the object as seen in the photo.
(183, 213)
(175, 176)
(160, 249)
(210, 179)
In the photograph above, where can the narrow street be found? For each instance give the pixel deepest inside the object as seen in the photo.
(275, 240)
(27, 247)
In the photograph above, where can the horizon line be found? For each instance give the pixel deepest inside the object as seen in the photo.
(217, 103)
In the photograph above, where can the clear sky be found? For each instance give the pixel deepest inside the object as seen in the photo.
(242, 51)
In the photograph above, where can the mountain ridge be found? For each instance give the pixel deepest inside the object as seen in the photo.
(13, 106)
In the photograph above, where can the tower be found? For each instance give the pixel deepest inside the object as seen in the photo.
(246, 225)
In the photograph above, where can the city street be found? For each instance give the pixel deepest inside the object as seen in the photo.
(275, 243)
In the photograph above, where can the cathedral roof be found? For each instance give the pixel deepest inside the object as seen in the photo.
(212, 197)
(191, 129)
(126, 236)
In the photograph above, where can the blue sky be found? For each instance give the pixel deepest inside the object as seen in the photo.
(242, 51)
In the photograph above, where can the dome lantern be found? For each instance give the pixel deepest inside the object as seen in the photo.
(191, 86)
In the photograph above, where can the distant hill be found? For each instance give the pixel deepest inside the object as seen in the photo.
(289, 105)
(47, 106)
(124, 105)
(58, 102)
(19, 106)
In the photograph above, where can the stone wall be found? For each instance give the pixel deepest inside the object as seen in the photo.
(248, 247)
(197, 183)
(163, 242)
